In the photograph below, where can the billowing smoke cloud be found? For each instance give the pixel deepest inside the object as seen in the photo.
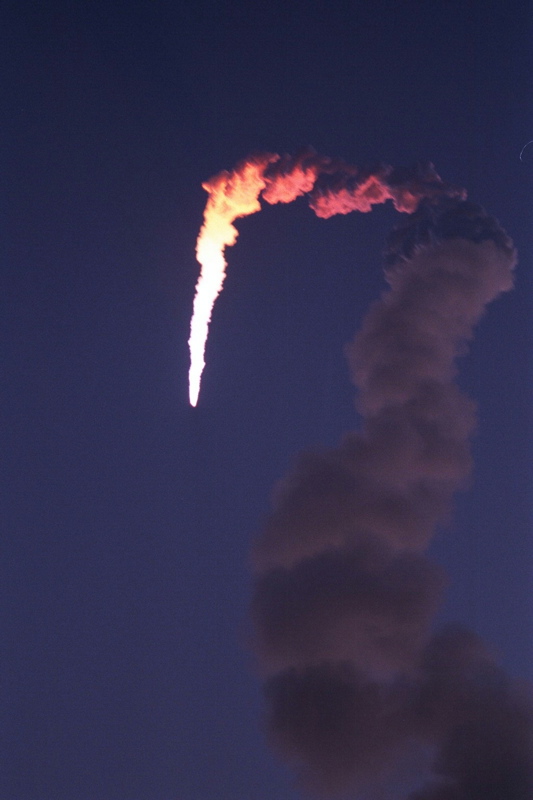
(361, 694)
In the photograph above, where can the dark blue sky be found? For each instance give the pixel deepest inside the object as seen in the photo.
(127, 517)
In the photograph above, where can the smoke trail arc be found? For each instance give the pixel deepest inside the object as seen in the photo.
(357, 683)
(333, 187)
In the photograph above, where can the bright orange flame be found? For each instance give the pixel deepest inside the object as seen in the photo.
(231, 195)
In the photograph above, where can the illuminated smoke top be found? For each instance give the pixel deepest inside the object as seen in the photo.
(333, 187)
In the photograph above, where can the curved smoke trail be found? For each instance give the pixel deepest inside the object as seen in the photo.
(362, 696)
(334, 187)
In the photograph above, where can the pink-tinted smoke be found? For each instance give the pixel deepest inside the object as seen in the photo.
(344, 596)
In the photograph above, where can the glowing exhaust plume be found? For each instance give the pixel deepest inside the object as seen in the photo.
(231, 195)
(334, 188)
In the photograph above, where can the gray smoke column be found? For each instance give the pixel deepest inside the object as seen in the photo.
(344, 595)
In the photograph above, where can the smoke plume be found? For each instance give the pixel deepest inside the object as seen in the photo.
(333, 186)
(361, 694)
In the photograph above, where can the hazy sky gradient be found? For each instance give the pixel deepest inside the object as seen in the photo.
(128, 517)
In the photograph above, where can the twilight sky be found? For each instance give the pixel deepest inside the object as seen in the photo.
(128, 517)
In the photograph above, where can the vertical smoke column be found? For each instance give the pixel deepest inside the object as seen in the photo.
(344, 595)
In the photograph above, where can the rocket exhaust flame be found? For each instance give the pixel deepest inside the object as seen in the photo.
(334, 188)
(231, 195)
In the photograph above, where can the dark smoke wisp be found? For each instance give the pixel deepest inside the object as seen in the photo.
(336, 187)
(344, 594)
